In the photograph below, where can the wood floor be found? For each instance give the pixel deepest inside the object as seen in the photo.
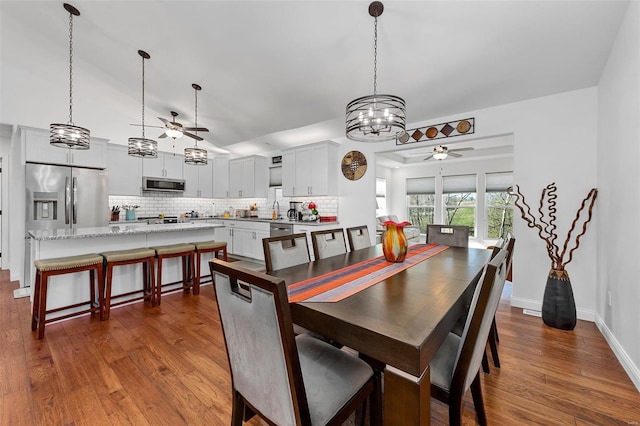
(168, 366)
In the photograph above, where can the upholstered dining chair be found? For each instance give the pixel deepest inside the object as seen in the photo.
(285, 251)
(358, 237)
(456, 366)
(327, 243)
(285, 379)
(448, 235)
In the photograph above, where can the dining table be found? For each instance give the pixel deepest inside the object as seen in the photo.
(397, 323)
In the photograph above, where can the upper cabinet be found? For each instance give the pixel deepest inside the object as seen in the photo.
(167, 165)
(198, 180)
(310, 170)
(39, 150)
(220, 177)
(125, 171)
(249, 177)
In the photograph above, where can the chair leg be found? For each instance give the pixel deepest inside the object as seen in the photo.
(494, 327)
(485, 363)
(493, 346)
(237, 411)
(476, 393)
(455, 410)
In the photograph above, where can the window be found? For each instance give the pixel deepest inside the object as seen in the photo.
(459, 201)
(421, 197)
(381, 196)
(499, 205)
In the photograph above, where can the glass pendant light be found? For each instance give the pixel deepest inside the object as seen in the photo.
(196, 156)
(142, 147)
(69, 135)
(376, 117)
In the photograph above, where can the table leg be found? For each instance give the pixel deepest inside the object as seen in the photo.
(407, 399)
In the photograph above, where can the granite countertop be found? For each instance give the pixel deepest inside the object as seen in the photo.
(222, 218)
(115, 230)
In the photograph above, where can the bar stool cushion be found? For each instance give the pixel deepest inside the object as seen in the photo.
(125, 255)
(173, 249)
(68, 262)
(209, 245)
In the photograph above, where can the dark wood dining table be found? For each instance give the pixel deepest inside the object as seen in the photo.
(399, 322)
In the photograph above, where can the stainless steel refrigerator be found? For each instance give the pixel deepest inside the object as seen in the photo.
(66, 197)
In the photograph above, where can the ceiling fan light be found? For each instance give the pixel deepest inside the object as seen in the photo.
(195, 156)
(440, 155)
(174, 134)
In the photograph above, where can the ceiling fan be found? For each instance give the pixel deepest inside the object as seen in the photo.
(441, 152)
(175, 130)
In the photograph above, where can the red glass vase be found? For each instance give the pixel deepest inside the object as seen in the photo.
(394, 242)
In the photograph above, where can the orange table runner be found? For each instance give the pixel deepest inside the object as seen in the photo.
(342, 283)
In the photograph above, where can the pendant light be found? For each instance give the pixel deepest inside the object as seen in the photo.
(68, 135)
(376, 117)
(196, 156)
(142, 147)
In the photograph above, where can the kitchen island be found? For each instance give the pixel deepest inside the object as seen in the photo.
(69, 289)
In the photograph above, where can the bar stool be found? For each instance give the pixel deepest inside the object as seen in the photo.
(202, 247)
(46, 268)
(187, 253)
(128, 257)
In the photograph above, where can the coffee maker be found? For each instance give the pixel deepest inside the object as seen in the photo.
(295, 210)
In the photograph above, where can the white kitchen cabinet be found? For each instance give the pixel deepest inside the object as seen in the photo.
(310, 170)
(198, 180)
(244, 238)
(38, 150)
(249, 177)
(125, 171)
(167, 165)
(220, 177)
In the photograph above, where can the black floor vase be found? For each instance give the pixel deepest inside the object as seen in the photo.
(558, 304)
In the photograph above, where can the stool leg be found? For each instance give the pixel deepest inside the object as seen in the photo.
(92, 291)
(195, 278)
(106, 310)
(100, 269)
(155, 289)
(43, 304)
(224, 253)
(159, 281)
(185, 273)
(36, 301)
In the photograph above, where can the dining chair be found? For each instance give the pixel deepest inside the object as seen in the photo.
(455, 367)
(327, 243)
(285, 379)
(358, 237)
(285, 251)
(448, 235)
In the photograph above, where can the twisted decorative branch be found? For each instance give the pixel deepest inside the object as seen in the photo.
(547, 229)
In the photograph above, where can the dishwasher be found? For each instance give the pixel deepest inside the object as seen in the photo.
(280, 229)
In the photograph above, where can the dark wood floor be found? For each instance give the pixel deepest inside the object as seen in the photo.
(167, 366)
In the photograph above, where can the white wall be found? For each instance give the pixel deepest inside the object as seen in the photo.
(619, 197)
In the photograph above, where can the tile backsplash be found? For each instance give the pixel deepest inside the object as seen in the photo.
(170, 205)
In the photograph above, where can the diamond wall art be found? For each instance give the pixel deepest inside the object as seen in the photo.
(450, 129)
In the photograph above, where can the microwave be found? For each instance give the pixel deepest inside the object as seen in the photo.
(162, 184)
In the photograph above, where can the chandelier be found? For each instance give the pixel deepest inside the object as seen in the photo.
(142, 147)
(376, 117)
(68, 135)
(196, 156)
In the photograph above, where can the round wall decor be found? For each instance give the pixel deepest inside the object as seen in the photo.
(354, 165)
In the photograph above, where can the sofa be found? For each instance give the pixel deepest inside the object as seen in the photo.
(411, 232)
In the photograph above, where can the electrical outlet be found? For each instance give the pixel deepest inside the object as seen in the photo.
(609, 298)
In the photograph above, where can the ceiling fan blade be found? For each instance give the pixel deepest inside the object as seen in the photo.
(164, 120)
(146, 125)
(428, 158)
(198, 129)
(461, 149)
(191, 135)
(164, 135)
(454, 155)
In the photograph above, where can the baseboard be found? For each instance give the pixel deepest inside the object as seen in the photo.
(536, 305)
(627, 363)
(21, 292)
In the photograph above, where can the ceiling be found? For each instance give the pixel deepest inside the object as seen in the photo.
(276, 74)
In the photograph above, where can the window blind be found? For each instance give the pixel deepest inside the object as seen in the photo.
(499, 182)
(460, 183)
(424, 185)
(381, 187)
